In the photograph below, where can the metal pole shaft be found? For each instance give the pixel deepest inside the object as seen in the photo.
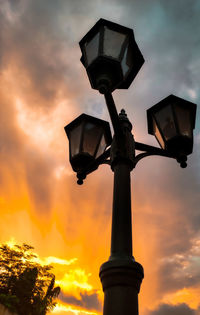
(121, 275)
(121, 239)
(113, 113)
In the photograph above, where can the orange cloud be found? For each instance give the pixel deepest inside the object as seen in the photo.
(189, 296)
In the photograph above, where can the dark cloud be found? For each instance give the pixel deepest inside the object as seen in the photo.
(88, 301)
(179, 273)
(165, 309)
(167, 33)
(36, 45)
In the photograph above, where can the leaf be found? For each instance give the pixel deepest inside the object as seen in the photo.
(26, 287)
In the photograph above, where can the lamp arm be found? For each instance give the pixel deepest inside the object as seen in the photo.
(150, 150)
(113, 113)
(102, 159)
(140, 156)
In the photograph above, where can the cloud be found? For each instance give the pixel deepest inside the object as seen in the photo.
(35, 45)
(165, 309)
(179, 272)
(87, 300)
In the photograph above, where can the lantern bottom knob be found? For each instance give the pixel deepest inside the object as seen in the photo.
(182, 160)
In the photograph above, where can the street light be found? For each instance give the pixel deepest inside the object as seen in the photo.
(172, 121)
(112, 59)
(88, 139)
(110, 55)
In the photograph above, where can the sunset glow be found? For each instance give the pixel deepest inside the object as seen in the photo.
(59, 308)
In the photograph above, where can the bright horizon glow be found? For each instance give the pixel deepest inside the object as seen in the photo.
(61, 307)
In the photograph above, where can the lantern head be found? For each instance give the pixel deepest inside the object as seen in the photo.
(111, 56)
(172, 122)
(88, 138)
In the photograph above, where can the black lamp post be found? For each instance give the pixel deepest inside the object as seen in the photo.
(112, 60)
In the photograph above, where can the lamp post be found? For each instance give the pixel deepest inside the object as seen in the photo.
(112, 60)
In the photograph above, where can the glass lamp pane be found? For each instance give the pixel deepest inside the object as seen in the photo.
(165, 119)
(127, 60)
(102, 146)
(75, 136)
(92, 134)
(158, 135)
(113, 42)
(92, 48)
(125, 66)
(184, 121)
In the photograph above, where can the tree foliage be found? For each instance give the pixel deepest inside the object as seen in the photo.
(26, 287)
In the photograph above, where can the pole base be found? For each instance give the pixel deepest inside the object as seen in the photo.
(121, 280)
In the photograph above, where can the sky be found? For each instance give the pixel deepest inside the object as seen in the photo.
(43, 87)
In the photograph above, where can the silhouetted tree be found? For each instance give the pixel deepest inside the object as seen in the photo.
(26, 287)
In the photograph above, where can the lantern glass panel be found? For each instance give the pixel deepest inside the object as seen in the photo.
(92, 134)
(125, 66)
(113, 42)
(92, 48)
(158, 135)
(127, 60)
(184, 120)
(165, 119)
(75, 137)
(102, 146)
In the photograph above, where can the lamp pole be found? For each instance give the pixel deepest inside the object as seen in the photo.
(112, 59)
(121, 275)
